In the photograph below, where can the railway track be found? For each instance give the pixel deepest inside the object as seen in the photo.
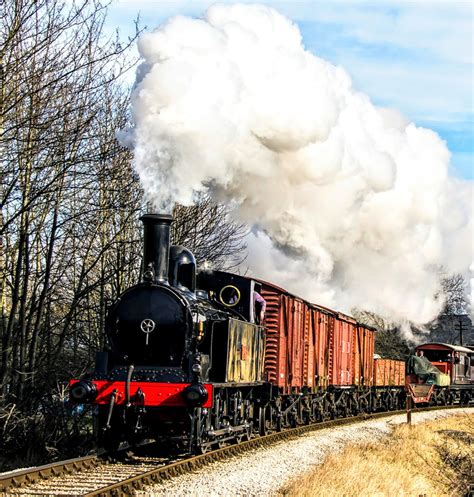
(98, 475)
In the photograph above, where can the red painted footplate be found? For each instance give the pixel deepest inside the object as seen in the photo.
(156, 394)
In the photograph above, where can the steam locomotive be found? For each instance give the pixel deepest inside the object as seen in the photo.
(173, 371)
(190, 364)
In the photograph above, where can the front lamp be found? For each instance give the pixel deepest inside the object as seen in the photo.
(195, 395)
(82, 391)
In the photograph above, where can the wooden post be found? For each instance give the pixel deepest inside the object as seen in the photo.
(409, 407)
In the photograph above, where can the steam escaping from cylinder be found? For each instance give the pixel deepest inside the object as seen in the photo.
(350, 205)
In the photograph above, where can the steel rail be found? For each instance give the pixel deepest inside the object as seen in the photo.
(32, 475)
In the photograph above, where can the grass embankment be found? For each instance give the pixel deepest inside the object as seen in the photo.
(430, 459)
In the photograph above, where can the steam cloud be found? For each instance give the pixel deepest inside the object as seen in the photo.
(350, 204)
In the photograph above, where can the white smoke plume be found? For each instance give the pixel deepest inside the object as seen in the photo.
(351, 206)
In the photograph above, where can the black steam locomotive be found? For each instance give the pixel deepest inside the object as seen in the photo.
(184, 366)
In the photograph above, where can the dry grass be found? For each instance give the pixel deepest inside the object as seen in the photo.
(430, 459)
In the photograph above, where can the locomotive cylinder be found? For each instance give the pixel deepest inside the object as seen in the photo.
(156, 246)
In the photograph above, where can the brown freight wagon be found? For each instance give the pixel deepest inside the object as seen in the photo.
(363, 353)
(313, 347)
(341, 366)
(289, 339)
(389, 372)
(321, 339)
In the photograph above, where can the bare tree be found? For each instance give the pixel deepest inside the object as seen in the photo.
(388, 338)
(209, 232)
(371, 319)
(68, 200)
(69, 209)
(454, 292)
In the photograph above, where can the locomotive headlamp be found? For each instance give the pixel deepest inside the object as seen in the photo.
(195, 395)
(82, 391)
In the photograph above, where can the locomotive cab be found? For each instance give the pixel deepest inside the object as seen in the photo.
(234, 292)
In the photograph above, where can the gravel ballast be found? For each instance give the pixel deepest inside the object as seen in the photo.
(262, 472)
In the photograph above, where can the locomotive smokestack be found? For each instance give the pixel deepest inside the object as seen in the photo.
(156, 247)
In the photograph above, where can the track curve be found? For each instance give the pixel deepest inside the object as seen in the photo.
(100, 476)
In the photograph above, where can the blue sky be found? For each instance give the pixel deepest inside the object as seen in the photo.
(414, 56)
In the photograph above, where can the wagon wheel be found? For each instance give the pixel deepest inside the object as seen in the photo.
(202, 449)
(219, 444)
(363, 405)
(262, 421)
(343, 410)
(293, 419)
(306, 417)
(318, 412)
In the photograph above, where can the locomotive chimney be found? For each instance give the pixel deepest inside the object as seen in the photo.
(156, 247)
